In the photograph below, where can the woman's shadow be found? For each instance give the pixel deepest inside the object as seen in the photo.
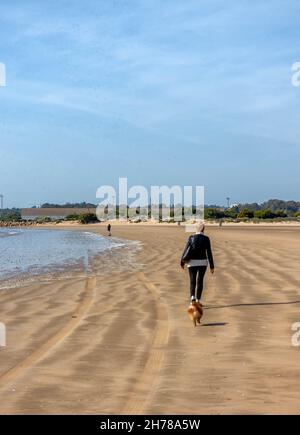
(213, 307)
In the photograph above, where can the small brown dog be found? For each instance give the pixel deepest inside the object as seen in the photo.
(195, 312)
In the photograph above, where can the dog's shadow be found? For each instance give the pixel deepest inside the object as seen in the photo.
(215, 324)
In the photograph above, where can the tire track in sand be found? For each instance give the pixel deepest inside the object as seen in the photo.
(144, 389)
(81, 310)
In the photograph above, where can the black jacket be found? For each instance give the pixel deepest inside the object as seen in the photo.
(198, 248)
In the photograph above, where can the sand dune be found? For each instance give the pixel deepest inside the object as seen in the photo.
(123, 343)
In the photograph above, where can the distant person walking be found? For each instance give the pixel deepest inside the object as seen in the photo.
(197, 255)
(109, 229)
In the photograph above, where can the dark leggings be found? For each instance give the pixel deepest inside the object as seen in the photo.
(196, 280)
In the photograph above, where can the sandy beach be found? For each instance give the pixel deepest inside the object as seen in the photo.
(122, 343)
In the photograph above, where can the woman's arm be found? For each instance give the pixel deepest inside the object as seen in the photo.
(210, 255)
(184, 252)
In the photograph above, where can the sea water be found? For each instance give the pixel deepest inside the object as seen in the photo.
(28, 253)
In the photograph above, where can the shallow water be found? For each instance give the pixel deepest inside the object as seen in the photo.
(28, 253)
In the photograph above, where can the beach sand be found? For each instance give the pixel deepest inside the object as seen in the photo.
(123, 343)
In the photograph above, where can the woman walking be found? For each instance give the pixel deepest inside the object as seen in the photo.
(197, 255)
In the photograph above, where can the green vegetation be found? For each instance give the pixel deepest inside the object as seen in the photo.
(273, 209)
(214, 213)
(43, 220)
(245, 213)
(88, 218)
(10, 215)
(84, 218)
(269, 214)
(253, 212)
(68, 205)
(72, 217)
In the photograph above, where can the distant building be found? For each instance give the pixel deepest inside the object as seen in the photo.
(53, 213)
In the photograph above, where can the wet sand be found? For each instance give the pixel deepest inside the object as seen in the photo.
(123, 343)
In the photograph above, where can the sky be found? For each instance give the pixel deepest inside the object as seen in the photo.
(194, 92)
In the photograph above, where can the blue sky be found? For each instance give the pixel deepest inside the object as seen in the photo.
(163, 92)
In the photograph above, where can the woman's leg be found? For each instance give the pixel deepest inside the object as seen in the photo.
(200, 276)
(193, 275)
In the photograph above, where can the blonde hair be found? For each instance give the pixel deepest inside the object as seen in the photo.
(200, 227)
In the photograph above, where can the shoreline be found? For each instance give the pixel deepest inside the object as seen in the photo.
(111, 257)
(115, 344)
(103, 224)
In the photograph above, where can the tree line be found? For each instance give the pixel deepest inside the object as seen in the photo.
(271, 209)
